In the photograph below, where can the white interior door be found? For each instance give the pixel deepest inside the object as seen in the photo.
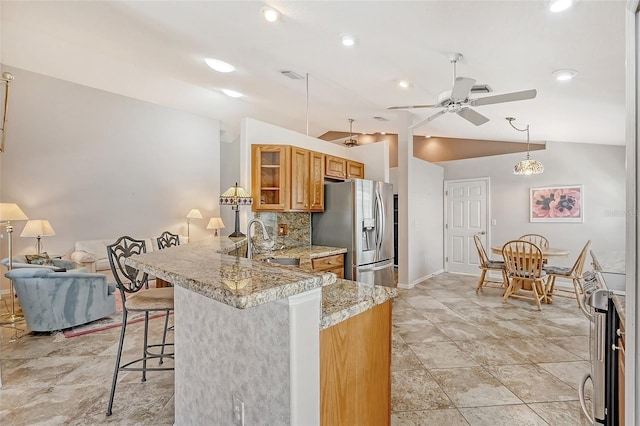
(466, 216)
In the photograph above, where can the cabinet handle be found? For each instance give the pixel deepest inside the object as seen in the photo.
(614, 347)
(619, 333)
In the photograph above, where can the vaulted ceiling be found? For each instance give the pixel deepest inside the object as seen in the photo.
(155, 51)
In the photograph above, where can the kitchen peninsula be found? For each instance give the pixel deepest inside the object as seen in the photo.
(274, 337)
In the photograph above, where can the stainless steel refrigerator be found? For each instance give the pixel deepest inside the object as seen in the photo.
(358, 215)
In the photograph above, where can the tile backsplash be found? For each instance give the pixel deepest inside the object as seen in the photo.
(299, 228)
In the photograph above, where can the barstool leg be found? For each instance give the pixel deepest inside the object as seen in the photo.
(164, 337)
(118, 358)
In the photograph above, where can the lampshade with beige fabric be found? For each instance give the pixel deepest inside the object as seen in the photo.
(38, 228)
(215, 223)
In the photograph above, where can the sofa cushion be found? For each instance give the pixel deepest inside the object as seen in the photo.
(38, 259)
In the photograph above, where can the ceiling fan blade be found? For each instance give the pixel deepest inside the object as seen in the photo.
(462, 87)
(507, 97)
(411, 106)
(428, 119)
(472, 116)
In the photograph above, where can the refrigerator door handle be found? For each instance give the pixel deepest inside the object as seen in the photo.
(380, 224)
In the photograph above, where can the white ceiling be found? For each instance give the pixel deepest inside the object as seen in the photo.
(155, 50)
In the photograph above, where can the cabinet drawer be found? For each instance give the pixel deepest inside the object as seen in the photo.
(328, 262)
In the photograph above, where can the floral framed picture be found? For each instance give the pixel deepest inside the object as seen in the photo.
(556, 204)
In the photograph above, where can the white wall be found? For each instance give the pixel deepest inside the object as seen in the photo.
(599, 168)
(425, 207)
(229, 175)
(100, 165)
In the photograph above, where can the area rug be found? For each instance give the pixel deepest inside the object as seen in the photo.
(109, 322)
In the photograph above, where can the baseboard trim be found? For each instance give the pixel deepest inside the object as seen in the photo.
(419, 280)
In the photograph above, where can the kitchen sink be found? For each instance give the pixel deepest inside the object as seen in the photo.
(291, 261)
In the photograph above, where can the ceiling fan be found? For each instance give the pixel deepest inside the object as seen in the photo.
(457, 99)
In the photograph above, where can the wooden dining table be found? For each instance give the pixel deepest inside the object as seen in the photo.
(546, 252)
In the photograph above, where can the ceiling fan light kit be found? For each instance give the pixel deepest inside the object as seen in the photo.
(526, 166)
(457, 99)
(351, 141)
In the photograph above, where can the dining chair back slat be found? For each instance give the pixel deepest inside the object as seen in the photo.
(524, 263)
(537, 239)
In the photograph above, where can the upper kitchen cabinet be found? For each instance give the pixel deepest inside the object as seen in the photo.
(355, 170)
(341, 168)
(269, 172)
(287, 178)
(307, 180)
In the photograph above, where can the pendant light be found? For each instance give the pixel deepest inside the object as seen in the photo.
(351, 141)
(526, 166)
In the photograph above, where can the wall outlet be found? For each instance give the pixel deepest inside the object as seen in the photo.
(283, 229)
(237, 410)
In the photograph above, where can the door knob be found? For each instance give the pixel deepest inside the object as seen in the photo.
(482, 233)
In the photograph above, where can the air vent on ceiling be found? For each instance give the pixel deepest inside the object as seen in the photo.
(378, 118)
(291, 74)
(481, 88)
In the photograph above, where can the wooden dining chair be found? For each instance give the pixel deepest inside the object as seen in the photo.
(523, 262)
(574, 274)
(537, 239)
(486, 265)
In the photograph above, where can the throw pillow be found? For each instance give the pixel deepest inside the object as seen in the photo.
(39, 259)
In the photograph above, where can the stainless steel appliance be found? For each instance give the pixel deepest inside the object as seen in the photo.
(600, 310)
(358, 215)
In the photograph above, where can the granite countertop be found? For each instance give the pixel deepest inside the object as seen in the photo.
(345, 299)
(242, 283)
(620, 303)
(204, 268)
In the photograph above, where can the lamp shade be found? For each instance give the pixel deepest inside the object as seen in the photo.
(11, 211)
(215, 223)
(38, 228)
(194, 214)
(236, 195)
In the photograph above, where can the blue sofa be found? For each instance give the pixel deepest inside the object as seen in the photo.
(57, 300)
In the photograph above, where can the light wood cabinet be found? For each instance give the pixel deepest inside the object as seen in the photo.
(355, 370)
(289, 178)
(333, 263)
(307, 180)
(335, 167)
(355, 170)
(269, 174)
(341, 168)
(316, 182)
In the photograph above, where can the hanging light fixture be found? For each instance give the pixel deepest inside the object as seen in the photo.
(526, 166)
(351, 141)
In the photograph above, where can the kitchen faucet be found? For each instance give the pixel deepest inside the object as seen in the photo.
(264, 234)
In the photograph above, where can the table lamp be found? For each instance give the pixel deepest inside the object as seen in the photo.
(38, 228)
(215, 223)
(234, 197)
(193, 214)
(9, 212)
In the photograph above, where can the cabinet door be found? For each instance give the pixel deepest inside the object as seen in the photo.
(269, 170)
(335, 167)
(355, 170)
(300, 178)
(316, 182)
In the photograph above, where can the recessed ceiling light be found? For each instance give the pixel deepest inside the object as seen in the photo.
(232, 93)
(560, 5)
(218, 65)
(270, 14)
(404, 84)
(348, 39)
(564, 75)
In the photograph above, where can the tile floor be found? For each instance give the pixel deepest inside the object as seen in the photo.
(459, 358)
